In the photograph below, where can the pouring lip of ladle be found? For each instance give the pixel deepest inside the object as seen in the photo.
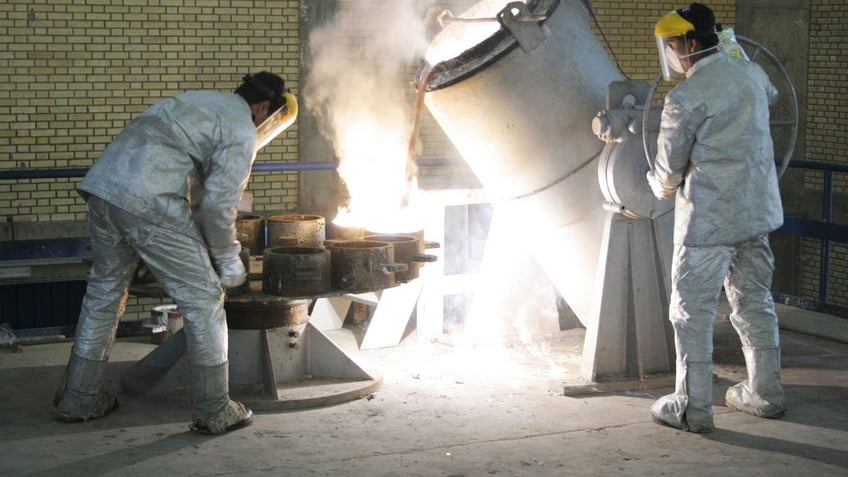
(444, 72)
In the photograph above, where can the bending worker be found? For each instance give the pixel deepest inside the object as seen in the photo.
(715, 154)
(165, 192)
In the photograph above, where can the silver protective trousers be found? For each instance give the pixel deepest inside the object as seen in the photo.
(698, 273)
(179, 261)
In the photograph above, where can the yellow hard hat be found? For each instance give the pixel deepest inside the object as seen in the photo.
(672, 24)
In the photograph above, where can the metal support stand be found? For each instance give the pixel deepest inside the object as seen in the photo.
(392, 310)
(630, 336)
(271, 369)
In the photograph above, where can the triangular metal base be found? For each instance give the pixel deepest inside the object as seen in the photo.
(285, 368)
(630, 337)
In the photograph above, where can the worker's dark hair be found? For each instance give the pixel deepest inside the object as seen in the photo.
(263, 86)
(705, 25)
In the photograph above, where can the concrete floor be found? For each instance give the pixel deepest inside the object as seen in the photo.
(442, 410)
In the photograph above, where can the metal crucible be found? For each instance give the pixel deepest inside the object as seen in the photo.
(296, 229)
(363, 265)
(250, 231)
(296, 271)
(409, 250)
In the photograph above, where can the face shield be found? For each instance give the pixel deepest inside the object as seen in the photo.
(277, 122)
(670, 32)
(670, 61)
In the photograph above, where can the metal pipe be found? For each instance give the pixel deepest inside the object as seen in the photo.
(447, 17)
(819, 166)
(824, 229)
(827, 212)
(432, 161)
(294, 166)
(43, 173)
(57, 173)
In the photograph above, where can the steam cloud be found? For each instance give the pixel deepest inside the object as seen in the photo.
(357, 60)
(358, 87)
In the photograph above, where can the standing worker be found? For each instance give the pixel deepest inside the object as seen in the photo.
(715, 153)
(165, 192)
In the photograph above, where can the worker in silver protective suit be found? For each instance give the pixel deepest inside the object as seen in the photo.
(715, 153)
(165, 193)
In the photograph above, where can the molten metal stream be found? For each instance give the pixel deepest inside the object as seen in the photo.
(411, 166)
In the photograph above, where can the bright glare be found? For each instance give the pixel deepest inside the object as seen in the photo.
(512, 312)
(373, 146)
(373, 165)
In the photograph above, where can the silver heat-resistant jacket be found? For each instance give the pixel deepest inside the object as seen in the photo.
(715, 150)
(184, 161)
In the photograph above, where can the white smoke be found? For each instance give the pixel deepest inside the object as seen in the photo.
(359, 87)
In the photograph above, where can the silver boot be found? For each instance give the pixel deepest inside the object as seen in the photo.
(762, 393)
(689, 408)
(213, 410)
(80, 396)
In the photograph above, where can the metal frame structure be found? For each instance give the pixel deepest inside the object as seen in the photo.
(824, 229)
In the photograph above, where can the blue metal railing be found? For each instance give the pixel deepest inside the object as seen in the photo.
(58, 172)
(54, 173)
(824, 229)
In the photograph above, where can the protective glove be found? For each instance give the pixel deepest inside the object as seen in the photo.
(229, 266)
(659, 191)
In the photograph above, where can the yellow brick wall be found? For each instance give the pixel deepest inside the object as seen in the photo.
(73, 73)
(827, 128)
(827, 104)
